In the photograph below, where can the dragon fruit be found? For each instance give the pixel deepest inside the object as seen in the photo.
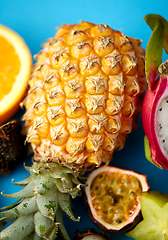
(155, 104)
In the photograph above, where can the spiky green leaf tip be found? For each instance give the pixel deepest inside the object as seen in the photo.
(46, 194)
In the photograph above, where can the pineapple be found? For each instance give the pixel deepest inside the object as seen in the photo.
(85, 94)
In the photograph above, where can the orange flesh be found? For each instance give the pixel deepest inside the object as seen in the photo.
(115, 196)
(9, 67)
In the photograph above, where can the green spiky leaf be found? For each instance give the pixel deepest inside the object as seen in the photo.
(24, 193)
(24, 182)
(4, 221)
(27, 206)
(22, 227)
(64, 187)
(42, 224)
(47, 205)
(11, 205)
(44, 185)
(59, 174)
(33, 236)
(65, 204)
(52, 232)
(59, 218)
(42, 200)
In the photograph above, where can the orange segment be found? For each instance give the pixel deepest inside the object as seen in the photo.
(15, 68)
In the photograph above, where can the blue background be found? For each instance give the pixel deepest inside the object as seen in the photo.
(35, 21)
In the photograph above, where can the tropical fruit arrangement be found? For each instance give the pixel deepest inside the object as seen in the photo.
(85, 93)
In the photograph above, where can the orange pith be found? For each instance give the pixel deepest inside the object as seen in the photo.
(9, 66)
(115, 196)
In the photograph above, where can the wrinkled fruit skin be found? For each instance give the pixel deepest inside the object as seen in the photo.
(148, 119)
(125, 187)
(90, 234)
(12, 147)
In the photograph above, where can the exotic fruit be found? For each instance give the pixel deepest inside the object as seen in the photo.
(12, 148)
(84, 98)
(113, 197)
(155, 105)
(91, 234)
(85, 94)
(154, 207)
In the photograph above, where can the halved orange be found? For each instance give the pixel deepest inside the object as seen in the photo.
(15, 68)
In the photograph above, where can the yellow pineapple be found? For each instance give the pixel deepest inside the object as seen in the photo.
(84, 94)
(84, 98)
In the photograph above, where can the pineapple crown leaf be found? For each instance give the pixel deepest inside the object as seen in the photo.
(24, 193)
(5, 220)
(65, 205)
(59, 218)
(26, 226)
(157, 41)
(24, 182)
(47, 205)
(43, 225)
(43, 198)
(33, 236)
(27, 206)
(11, 205)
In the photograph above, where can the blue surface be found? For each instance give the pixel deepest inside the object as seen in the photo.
(35, 21)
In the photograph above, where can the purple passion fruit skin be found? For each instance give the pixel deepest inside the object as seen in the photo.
(154, 207)
(155, 104)
(113, 198)
(90, 234)
(12, 147)
(93, 237)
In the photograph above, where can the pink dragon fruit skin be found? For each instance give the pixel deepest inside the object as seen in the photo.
(149, 114)
(155, 104)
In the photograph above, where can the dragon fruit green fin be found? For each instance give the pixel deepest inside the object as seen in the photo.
(152, 20)
(148, 153)
(154, 54)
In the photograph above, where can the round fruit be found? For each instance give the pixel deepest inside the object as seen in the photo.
(93, 237)
(12, 147)
(91, 234)
(85, 94)
(15, 68)
(113, 196)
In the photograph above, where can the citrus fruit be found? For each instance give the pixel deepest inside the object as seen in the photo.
(15, 68)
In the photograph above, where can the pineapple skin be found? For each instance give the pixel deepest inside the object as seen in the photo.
(85, 94)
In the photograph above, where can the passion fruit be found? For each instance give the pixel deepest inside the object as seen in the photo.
(90, 234)
(12, 147)
(113, 197)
